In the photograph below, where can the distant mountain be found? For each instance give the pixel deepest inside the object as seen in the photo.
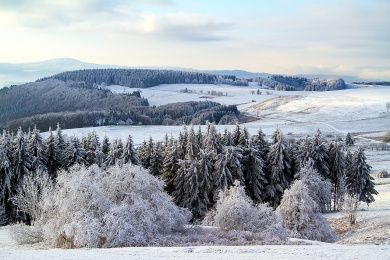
(17, 73)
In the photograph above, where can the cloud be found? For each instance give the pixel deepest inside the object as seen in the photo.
(182, 26)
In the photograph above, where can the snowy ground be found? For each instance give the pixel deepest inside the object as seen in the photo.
(359, 110)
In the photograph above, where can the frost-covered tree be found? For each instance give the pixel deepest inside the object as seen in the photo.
(145, 152)
(117, 207)
(235, 211)
(193, 184)
(21, 158)
(260, 143)
(254, 174)
(116, 153)
(156, 160)
(170, 165)
(91, 146)
(210, 143)
(349, 140)
(129, 153)
(336, 171)
(359, 180)
(320, 189)
(227, 168)
(301, 215)
(75, 154)
(243, 139)
(36, 149)
(279, 167)
(192, 146)
(235, 136)
(60, 147)
(226, 138)
(105, 147)
(6, 173)
(50, 154)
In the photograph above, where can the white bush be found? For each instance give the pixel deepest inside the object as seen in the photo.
(120, 206)
(235, 211)
(350, 207)
(301, 214)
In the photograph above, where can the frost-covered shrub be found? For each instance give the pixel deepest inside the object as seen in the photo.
(30, 194)
(350, 207)
(235, 211)
(383, 174)
(320, 189)
(301, 214)
(120, 206)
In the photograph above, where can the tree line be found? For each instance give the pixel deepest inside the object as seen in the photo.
(143, 78)
(293, 83)
(195, 166)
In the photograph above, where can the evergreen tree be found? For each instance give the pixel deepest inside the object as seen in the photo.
(279, 166)
(36, 149)
(170, 165)
(227, 168)
(336, 167)
(129, 153)
(75, 154)
(21, 158)
(192, 146)
(243, 139)
(115, 154)
(254, 173)
(360, 182)
(349, 140)
(50, 154)
(226, 138)
(105, 146)
(260, 144)
(156, 160)
(6, 173)
(235, 136)
(60, 147)
(210, 142)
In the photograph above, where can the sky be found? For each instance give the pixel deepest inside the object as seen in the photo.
(344, 37)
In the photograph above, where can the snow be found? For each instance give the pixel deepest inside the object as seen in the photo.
(357, 110)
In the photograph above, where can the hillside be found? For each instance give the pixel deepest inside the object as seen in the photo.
(75, 104)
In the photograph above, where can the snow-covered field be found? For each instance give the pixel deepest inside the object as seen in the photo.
(357, 110)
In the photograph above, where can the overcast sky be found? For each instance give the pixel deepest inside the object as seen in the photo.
(279, 36)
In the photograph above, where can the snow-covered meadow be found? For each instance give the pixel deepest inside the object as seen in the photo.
(355, 110)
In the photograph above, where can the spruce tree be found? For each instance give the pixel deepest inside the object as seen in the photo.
(156, 160)
(6, 173)
(254, 173)
(115, 154)
(260, 144)
(349, 140)
(243, 139)
(75, 154)
(279, 167)
(235, 136)
(170, 165)
(50, 154)
(36, 149)
(21, 158)
(226, 138)
(227, 168)
(336, 170)
(360, 182)
(129, 153)
(60, 147)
